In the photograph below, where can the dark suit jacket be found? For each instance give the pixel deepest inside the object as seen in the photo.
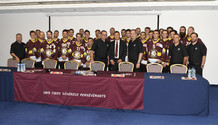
(122, 51)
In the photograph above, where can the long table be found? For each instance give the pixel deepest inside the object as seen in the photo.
(101, 91)
(7, 83)
(137, 92)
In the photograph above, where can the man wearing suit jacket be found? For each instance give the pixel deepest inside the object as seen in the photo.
(117, 52)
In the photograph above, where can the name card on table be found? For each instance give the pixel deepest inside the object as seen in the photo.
(186, 78)
(5, 70)
(118, 75)
(156, 77)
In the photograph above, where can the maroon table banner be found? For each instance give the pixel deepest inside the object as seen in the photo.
(101, 91)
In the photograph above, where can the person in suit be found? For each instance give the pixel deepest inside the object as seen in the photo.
(117, 52)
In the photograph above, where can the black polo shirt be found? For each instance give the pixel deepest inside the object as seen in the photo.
(134, 48)
(177, 53)
(18, 49)
(196, 52)
(101, 49)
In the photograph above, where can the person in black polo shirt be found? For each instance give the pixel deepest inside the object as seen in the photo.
(18, 48)
(177, 52)
(100, 49)
(197, 54)
(135, 50)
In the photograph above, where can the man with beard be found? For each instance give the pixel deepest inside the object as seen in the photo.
(96, 34)
(123, 34)
(182, 33)
(111, 37)
(188, 41)
(197, 54)
(49, 48)
(64, 49)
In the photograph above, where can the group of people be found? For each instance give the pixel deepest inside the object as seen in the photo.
(163, 46)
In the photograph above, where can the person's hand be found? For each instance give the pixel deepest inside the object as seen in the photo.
(202, 66)
(64, 57)
(120, 60)
(87, 64)
(138, 65)
(165, 64)
(17, 59)
(80, 63)
(112, 62)
(159, 61)
(92, 61)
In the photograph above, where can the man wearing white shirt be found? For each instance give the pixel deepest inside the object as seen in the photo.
(117, 52)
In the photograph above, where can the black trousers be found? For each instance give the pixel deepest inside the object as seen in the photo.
(61, 64)
(38, 65)
(143, 68)
(166, 69)
(197, 68)
(134, 61)
(104, 60)
(113, 67)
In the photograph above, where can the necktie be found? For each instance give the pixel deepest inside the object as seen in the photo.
(116, 53)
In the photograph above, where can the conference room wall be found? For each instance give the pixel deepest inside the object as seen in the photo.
(11, 24)
(205, 23)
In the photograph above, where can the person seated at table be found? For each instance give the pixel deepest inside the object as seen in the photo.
(78, 50)
(117, 52)
(18, 48)
(100, 48)
(177, 52)
(87, 53)
(64, 50)
(49, 48)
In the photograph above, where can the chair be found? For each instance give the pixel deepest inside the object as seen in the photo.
(50, 64)
(178, 68)
(12, 62)
(97, 66)
(154, 68)
(29, 63)
(71, 65)
(126, 67)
